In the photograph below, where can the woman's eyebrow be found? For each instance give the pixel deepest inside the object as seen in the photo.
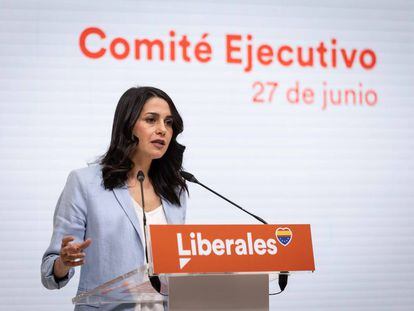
(157, 114)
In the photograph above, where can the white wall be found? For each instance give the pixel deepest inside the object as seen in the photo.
(346, 170)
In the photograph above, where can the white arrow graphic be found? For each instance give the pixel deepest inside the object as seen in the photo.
(183, 262)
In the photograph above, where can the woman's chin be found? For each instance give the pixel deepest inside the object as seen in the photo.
(157, 155)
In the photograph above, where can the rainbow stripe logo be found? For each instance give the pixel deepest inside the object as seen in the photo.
(284, 235)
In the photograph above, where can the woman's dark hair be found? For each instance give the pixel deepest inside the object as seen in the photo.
(116, 162)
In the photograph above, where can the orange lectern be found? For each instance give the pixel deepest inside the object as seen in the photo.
(211, 267)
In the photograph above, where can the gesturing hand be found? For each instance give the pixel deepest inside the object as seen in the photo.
(70, 255)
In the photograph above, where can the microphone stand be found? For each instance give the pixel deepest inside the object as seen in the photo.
(283, 276)
(154, 280)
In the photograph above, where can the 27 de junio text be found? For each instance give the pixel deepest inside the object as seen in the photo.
(325, 96)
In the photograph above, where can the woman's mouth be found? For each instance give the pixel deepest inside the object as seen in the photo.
(158, 143)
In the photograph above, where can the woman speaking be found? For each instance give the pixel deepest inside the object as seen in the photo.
(98, 218)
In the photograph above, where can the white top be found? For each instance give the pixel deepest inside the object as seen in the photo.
(156, 216)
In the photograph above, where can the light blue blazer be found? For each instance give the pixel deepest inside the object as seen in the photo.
(86, 210)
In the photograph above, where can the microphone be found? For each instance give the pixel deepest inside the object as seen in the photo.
(283, 279)
(283, 276)
(190, 177)
(155, 280)
(141, 177)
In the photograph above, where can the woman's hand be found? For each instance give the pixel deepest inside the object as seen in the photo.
(71, 255)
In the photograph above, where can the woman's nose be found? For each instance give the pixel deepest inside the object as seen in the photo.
(161, 129)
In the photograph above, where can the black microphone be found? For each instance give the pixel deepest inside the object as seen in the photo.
(155, 280)
(283, 276)
(283, 279)
(190, 177)
(141, 177)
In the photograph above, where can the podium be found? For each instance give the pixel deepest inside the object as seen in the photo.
(210, 267)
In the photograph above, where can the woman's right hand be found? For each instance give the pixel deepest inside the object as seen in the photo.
(70, 255)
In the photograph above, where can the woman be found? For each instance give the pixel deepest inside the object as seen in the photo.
(97, 221)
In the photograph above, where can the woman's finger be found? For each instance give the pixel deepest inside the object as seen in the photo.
(85, 244)
(74, 256)
(66, 240)
(72, 248)
(78, 247)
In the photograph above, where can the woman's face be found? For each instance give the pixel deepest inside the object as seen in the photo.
(154, 128)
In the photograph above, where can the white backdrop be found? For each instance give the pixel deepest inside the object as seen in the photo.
(346, 169)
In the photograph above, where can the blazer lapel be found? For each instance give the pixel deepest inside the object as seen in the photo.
(171, 213)
(124, 200)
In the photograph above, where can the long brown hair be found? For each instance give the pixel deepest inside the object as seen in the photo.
(116, 162)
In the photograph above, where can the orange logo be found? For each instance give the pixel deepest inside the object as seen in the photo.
(230, 248)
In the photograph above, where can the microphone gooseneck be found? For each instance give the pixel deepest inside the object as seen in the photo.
(190, 177)
(155, 281)
(141, 177)
(283, 276)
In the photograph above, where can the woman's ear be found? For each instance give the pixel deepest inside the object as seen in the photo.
(135, 139)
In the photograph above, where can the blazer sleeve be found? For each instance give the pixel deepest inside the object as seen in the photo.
(69, 219)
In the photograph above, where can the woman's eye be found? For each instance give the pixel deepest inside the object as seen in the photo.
(150, 120)
(169, 122)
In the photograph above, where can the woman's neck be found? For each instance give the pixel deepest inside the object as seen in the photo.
(140, 164)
